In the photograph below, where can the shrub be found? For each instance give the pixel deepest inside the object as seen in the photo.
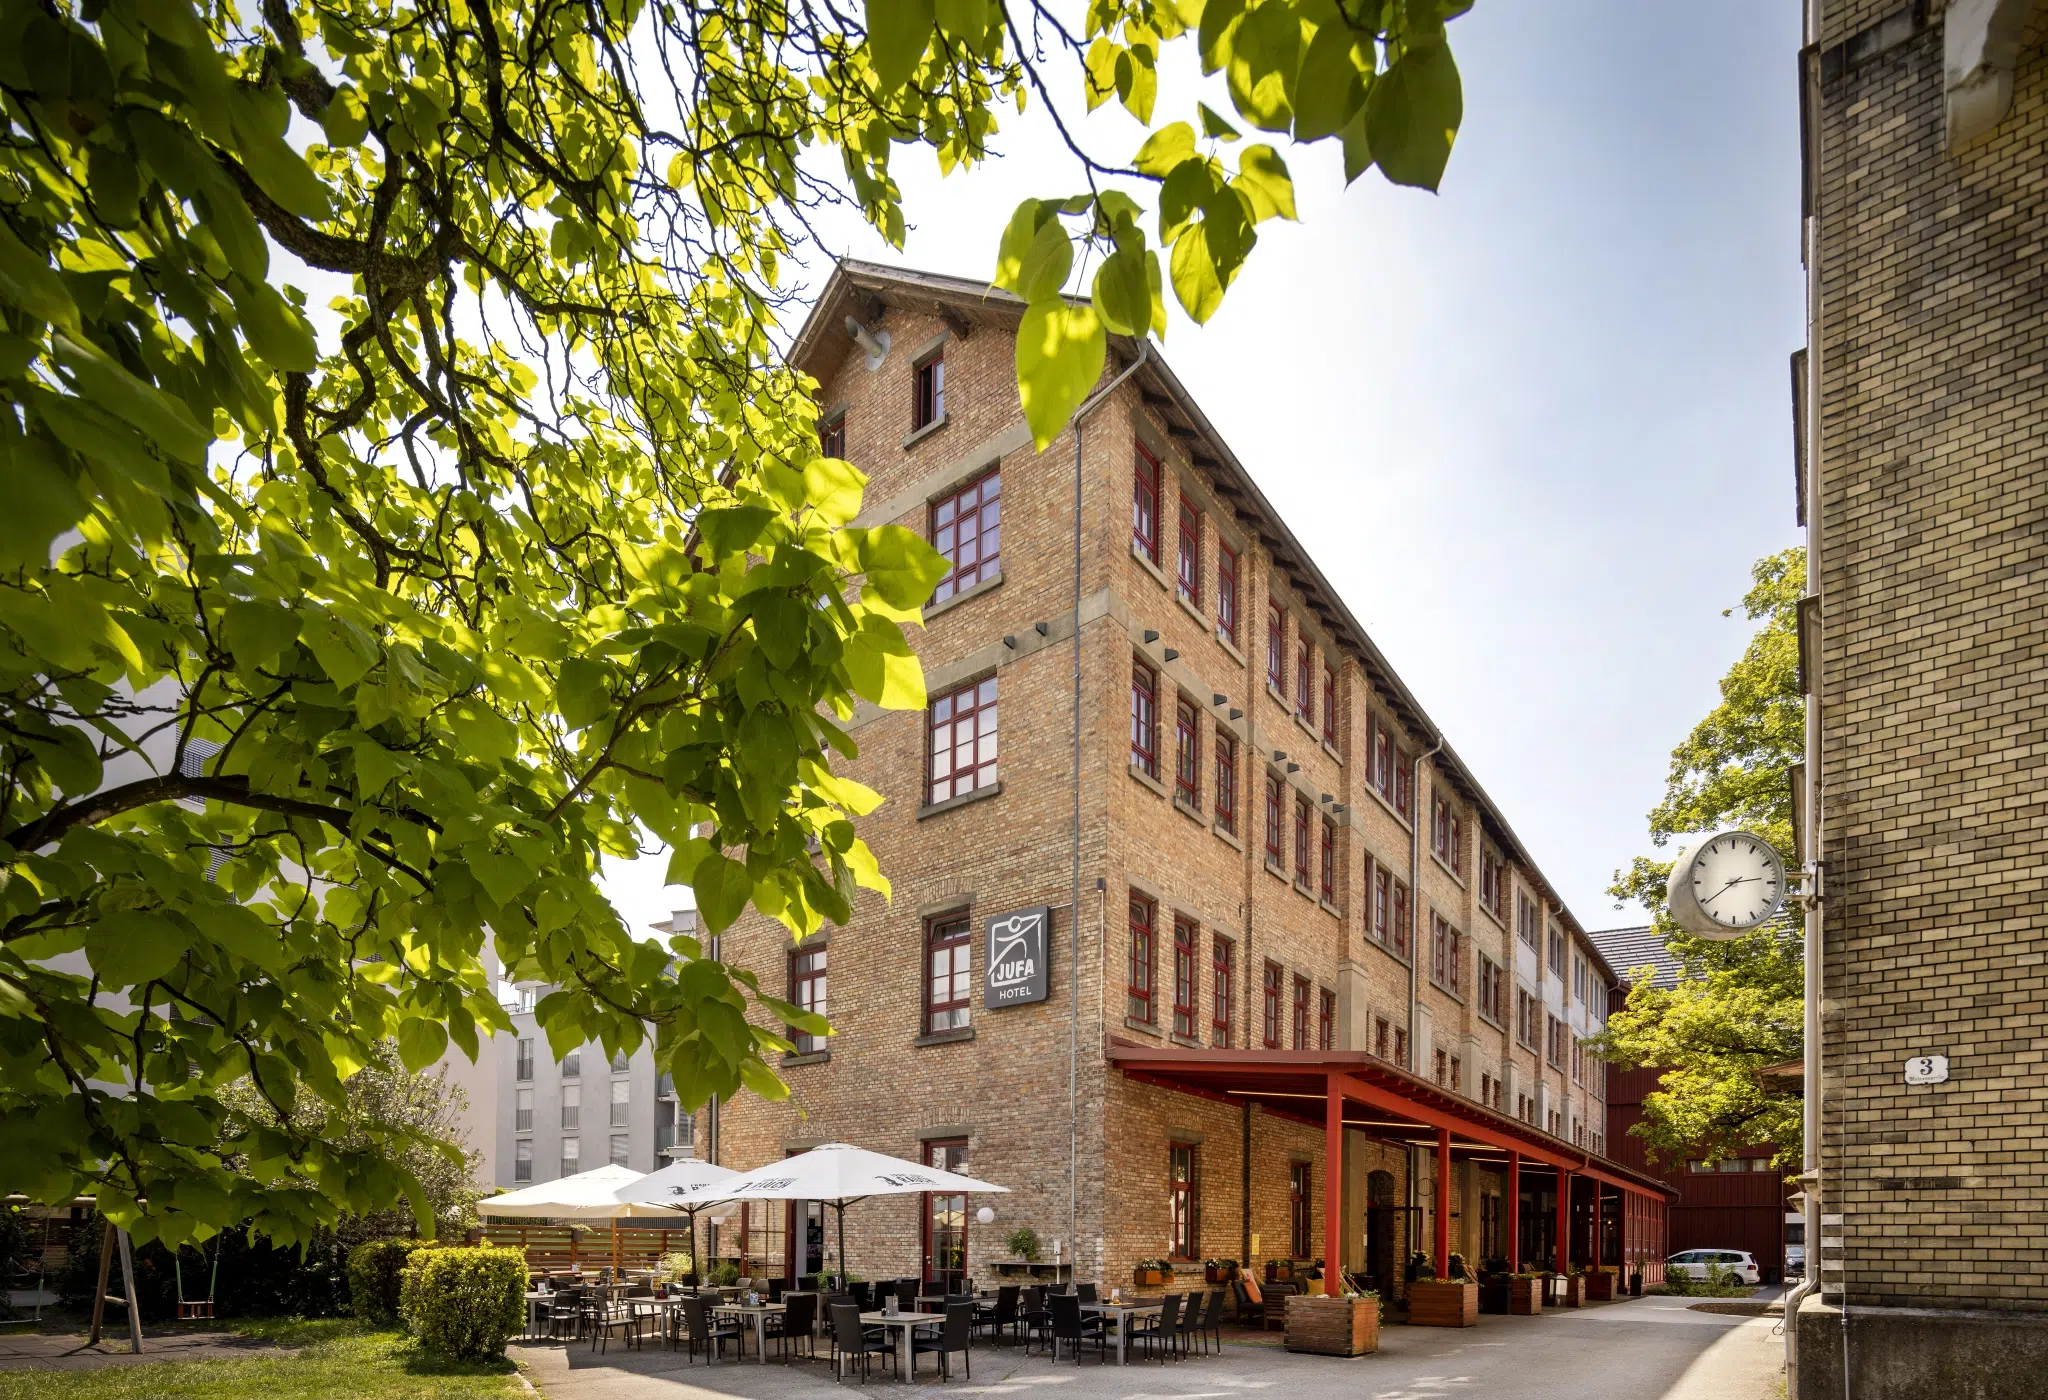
(466, 1302)
(675, 1267)
(375, 1269)
(1023, 1242)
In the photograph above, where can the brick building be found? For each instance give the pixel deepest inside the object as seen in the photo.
(1309, 951)
(1923, 402)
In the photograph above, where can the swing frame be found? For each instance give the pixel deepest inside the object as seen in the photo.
(196, 1309)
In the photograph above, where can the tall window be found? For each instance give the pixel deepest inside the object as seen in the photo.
(1300, 1013)
(621, 1149)
(522, 1059)
(1143, 914)
(1379, 762)
(522, 1160)
(945, 1217)
(1276, 838)
(1458, 844)
(1403, 918)
(1525, 1021)
(522, 1111)
(1222, 989)
(1492, 989)
(572, 1064)
(1404, 784)
(1579, 978)
(1382, 903)
(572, 1107)
(622, 1102)
(1298, 1210)
(1305, 680)
(1184, 1187)
(1440, 827)
(1304, 828)
(1329, 865)
(1271, 1027)
(807, 991)
(1401, 1046)
(1226, 592)
(832, 437)
(572, 1156)
(1330, 702)
(1226, 781)
(1276, 647)
(967, 527)
(1529, 923)
(949, 973)
(928, 396)
(1189, 564)
(1187, 755)
(1326, 1019)
(963, 740)
(1557, 952)
(1382, 1038)
(1184, 981)
(1578, 1063)
(1554, 1051)
(1145, 506)
(1446, 955)
(1144, 719)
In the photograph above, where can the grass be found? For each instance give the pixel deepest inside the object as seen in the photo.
(332, 1357)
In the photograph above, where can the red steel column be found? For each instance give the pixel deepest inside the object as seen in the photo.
(1333, 1185)
(1514, 1211)
(1564, 1221)
(1443, 1202)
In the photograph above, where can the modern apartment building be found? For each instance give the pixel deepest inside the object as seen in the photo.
(1204, 940)
(1923, 406)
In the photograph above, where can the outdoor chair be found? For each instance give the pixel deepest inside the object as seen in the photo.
(863, 1296)
(1252, 1311)
(799, 1325)
(1159, 1331)
(565, 1310)
(775, 1288)
(700, 1328)
(956, 1335)
(1085, 1292)
(1191, 1324)
(1000, 1315)
(612, 1314)
(853, 1343)
(1070, 1327)
(1034, 1317)
(1212, 1321)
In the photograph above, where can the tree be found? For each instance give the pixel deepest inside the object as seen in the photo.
(407, 507)
(1739, 1006)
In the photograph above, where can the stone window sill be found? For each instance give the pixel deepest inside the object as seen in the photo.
(965, 595)
(1223, 835)
(1332, 910)
(1454, 996)
(1193, 610)
(1391, 809)
(1305, 892)
(1187, 1042)
(1229, 646)
(1278, 873)
(1158, 574)
(1302, 723)
(918, 435)
(1188, 810)
(1279, 697)
(1328, 748)
(1447, 868)
(933, 809)
(1148, 780)
(1146, 1027)
(808, 1057)
(952, 1037)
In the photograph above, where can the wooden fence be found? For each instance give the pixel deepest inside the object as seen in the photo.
(552, 1248)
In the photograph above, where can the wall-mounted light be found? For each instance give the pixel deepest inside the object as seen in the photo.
(986, 1215)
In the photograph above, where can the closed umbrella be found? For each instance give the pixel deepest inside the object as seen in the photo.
(672, 1183)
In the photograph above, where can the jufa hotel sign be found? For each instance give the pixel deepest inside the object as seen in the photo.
(1016, 963)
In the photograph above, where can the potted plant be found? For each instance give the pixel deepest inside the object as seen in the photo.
(1023, 1243)
(1345, 1323)
(1525, 1294)
(1441, 1302)
(1575, 1288)
(1150, 1273)
(1219, 1270)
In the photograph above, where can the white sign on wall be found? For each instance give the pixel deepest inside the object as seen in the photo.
(1927, 1069)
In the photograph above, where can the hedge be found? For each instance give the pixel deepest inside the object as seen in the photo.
(374, 1270)
(465, 1302)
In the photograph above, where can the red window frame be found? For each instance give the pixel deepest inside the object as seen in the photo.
(1145, 719)
(1381, 763)
(1439, 827)
(1401, 1047)
(967, 527)
(832, 437)
(928, 391)
(1188, 563)
(1457, 834)
(1276, 830)
(1223, 991)
(1226, 781)
(1330, 702)
(1382, 1038)
(1404, 784)
(948, 973)
(1299, 1212)
(1300, 1012)
(1143, 965)
(1276, 647)
(1272, 991)
(1329, 890)
(1184, 1204)
(960, 747)
(1185, 934)
(1305, 680)
(1303, 827)
(1402, 918)
(1326, 1019)
(1187, 758)
(1489, 879)
(1145, 477)
(1226, 592)
(1382, 902)
(807, 987)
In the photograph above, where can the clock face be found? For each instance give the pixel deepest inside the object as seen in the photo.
(1738, 880)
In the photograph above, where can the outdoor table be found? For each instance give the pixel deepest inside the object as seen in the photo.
(535, 1301)
(904, 1323)
(755, 1315)
(1123, 1313)
(666, 1308)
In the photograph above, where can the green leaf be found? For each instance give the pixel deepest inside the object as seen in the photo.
(901, 566)
(583, 691)
(421, 1042)
(833, 489)
(275, 328)
(1196, 281)
(257, 632)
(1046, 262)
(130, 947)
(722, 887)
(1214, 125)
(732, 529)
(963, 21)
(344, 650)
(161, 418)
(28, 281)
(1060, 352)
(1331, 88)
(1122, 293)
(1262, 177)
(42, 502)
(1165, 148)
(346, 119)
(272, 163)
(1265, 56)
(883, 668)
(898, 32)
(1218, 32)
(1357, 145)
(1017, 239)
(1412, 115)
(101, 440)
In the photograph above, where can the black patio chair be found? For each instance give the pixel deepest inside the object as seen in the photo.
(612, 1314)
(1212, 1320)
(1157, 1331)
(852, 1342)
(800, 1325)
(565, 1313)
(775, 1290)
(1000, 1315)
(1191, 1324)
(700, 1328)
(1069, 1326)
(956, 1335)
(1034, 1317)
(1085, 1292)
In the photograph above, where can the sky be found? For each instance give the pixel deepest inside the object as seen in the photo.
(1534, 428)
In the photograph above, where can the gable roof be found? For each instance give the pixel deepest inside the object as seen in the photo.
(1628, 948)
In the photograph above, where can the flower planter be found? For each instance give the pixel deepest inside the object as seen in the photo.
(1525, 1297)
(1215, 1275)
(1333, 1326)
(1600, 1287)
(1147, 1278)
(1575, 1291)
(1495, 1295)
(1443, 1303)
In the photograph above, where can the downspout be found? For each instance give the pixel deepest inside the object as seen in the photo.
(1414, 941)
(1074, 905)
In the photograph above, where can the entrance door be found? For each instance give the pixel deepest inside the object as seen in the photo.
(945, 1218)
(1381, 1219)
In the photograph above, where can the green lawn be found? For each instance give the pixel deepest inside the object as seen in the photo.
(334, 1358)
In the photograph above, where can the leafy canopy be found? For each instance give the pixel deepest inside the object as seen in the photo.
(1739, 1005)
(407, 507)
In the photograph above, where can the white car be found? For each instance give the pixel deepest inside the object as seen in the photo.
(1696, 1262)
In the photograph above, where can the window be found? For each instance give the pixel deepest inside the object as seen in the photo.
(1326, 1019)
(1222, 989)
(1382, 1038)
(1557, 952)
(1189, 561)
(572, 1064)
(1144, 719)
(1305, 681)
(1443, 1066)
(1379, 758)
(618, 1062)
(1330, 702)
(1301, 1013)
(1298, 1209)
(1579, 978)
(1226, 781)
(945, 1213)
(963, 741)
(1554, 1052)
(1446, 953)
(572, 1107)
(1276, 841)
(619, 1149)
(1404, 784)
(1226, 593)
(1304, 827)
(1276, 647)
(1440, 828)
(1493, 894)
(1184, 1205)
(1139, 1005)
(1458, 845)
(928, 393)
(622, 1102)
(522, 1059)
(1401, 1046)
(832, 437)
(572, 1157)
(1187, 757)
(949, 973)
(1272, 1006)
(1382, 902)
(1184, 934)
(522, 1160)
(1402, 919)
(1486, 1088)
(1457, 1075)
(1529, 924)
(522, 1111)
(967, 527)
(1329, 872)
(1145, 506)
(1492, 990)
(1578, 1062)
(807, 992)
(1525, 1021)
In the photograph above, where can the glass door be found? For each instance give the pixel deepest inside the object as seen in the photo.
(945, 1219)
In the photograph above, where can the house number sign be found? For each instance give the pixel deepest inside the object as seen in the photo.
(1927, 1069)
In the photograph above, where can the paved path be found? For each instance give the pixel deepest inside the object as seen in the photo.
(1645, 1349)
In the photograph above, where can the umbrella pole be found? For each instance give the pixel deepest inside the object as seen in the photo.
(840, 1206)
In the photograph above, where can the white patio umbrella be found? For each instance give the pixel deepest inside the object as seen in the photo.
(838, 1175)
(680, 1179)
(585, 1196)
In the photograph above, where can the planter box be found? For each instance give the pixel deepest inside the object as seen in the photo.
(1147, 1278)
(1218, 1275)
(1333, 1326)
(1600, 1287)
(1440, 1303)
(1575, 1291)
(1525, 1297)
(1494, 1296)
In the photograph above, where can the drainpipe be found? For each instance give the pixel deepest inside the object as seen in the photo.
(1074, 906)
(1414, 939)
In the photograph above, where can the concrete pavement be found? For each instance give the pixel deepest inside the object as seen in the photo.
(1643, 1349)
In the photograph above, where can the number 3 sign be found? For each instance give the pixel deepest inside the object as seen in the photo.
(1927, 1069)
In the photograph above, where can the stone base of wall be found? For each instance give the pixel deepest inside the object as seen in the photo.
(1911, 1353)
